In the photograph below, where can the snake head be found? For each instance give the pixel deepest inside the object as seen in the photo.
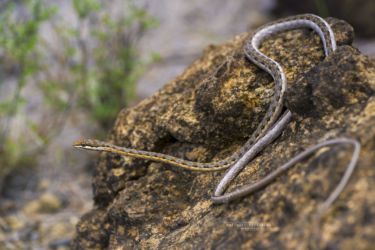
(88, 144)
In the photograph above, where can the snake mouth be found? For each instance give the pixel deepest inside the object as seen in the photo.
(95, 145)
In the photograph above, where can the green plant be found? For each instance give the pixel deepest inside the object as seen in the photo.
(18, 42)
(106, 64)
(94, 68)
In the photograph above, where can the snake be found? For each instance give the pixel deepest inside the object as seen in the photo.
(270, 127)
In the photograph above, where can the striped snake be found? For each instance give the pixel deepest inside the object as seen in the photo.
(269, 128)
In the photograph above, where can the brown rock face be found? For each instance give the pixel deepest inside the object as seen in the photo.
(207, 113)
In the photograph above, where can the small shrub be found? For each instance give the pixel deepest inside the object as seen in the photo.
(93, 67)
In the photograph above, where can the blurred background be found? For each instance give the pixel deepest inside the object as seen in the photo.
(68, 67)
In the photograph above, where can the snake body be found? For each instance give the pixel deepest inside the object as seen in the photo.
(253, 53)
(272, 67)
(268, 129)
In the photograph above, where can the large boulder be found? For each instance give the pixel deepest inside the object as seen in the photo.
(208, 112)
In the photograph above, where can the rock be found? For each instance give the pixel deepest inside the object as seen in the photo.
(14, 222)
(44, 184)
(360, 13)
(7, 206)
(207, 113)
(58, 234)
(60, 244)
(2, 237)
(319, 87)
(46, 203)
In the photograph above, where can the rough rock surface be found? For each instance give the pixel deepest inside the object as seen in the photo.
(208, 112)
